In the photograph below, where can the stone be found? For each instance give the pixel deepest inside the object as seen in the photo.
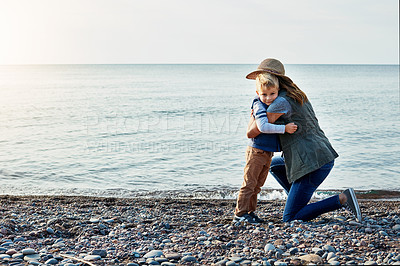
(28, 251)
(160, 260)
(318, 251)
(396, 227)
(222, 262)
(4, 256)
(18, 256)
(329, 248)
(269, 247)
(11, 252)
(58, 244)
(330, 256)
(188, 258)
(51, 261)
(32, 257)
(235, 259)
(92, 257)
(153, 254)
(50, 230)
(101, 252)
(173, 256)
(383, 233)
(370, 262)
(94, 220)
(311, 258)
(293, 251)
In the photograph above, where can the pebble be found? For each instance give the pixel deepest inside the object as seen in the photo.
(189, 259)
(173, 256)
(31, 257)
(154, 253)
(51, 261)
(135, 232)
(383, 233)
(313, 258)
(269, 247)
(28, 251)
(4, 256)
(92, 257)
(94, 220)
(101, 252)
(329, 248)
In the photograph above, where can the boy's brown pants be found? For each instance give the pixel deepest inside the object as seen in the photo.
(255, 174)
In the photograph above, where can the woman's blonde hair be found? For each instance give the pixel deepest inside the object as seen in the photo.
(268, 80)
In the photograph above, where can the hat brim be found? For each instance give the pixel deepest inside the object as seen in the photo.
(253, 75)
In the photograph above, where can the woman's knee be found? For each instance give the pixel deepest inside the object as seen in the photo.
(277, 161)
(287, 217)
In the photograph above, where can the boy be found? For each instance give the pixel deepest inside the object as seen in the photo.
(260, 149)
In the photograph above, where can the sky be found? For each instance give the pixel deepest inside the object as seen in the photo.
(199, 31)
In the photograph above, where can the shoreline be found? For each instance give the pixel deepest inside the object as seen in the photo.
(77, 230)
(217, 194)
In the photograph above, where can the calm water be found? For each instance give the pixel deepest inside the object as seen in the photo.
(124, 130)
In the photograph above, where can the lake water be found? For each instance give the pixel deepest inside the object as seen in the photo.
(128, 130)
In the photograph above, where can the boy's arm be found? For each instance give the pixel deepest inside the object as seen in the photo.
(262, 121)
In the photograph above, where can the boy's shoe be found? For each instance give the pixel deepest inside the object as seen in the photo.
(244, 218)
(256, 218)
(352, 203)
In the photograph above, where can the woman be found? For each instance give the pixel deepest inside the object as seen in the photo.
(308, 156)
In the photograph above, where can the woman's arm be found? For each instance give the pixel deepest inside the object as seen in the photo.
(272, 117)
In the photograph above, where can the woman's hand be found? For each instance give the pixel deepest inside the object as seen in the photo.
(290, 128)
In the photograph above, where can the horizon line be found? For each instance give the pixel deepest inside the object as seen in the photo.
(36, 64)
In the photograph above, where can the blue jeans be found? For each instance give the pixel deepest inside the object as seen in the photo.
(300, 192)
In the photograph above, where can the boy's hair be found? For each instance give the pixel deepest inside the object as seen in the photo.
(267, 79)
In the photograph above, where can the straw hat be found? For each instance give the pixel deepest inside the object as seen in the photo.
(269, 65)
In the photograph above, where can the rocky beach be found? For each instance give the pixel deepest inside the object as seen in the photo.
(69, 230)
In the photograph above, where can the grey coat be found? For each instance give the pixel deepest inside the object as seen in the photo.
(308, 149)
